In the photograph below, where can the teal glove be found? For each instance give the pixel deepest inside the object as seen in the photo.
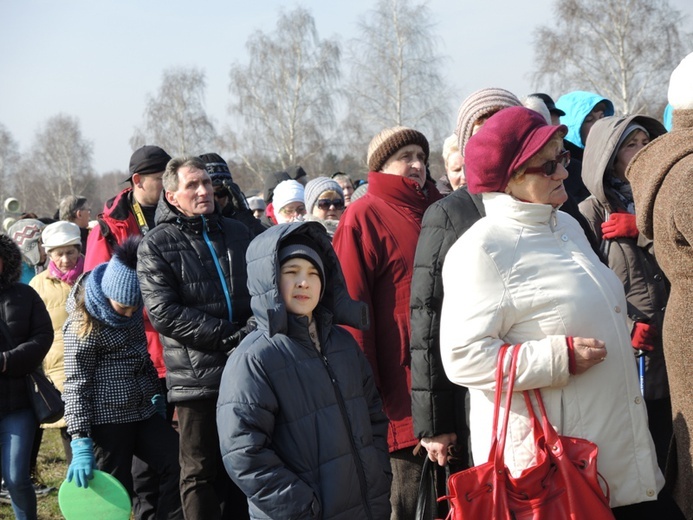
(82, 465)
(159, 402)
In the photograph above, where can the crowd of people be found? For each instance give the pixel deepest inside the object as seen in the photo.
(301, 353)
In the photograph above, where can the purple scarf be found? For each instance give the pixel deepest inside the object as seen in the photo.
(69, 277)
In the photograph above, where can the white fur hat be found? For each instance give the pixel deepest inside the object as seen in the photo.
(287, 192)
(59, 234)
(681, 85)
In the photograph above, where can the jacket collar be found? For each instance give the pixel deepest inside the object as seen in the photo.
(402, 191)
(503, 205)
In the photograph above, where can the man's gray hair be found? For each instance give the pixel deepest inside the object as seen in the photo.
(170, 178)
(69, 206)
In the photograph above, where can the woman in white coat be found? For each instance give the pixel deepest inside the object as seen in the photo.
(526, 275)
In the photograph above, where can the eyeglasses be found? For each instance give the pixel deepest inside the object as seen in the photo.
(549, 167)
(289, 212)
(325, 204)
(221, 194)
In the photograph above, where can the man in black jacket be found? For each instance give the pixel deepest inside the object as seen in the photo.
(193, 278)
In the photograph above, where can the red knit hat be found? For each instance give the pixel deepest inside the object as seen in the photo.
(509, 139)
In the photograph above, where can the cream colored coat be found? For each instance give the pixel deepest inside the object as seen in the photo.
(54, 293)
(526, 274)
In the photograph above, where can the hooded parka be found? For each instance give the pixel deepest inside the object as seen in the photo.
(302, 429)
(631, 259)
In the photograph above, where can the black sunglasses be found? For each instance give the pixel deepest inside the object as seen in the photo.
(324, 204)
(549, 167)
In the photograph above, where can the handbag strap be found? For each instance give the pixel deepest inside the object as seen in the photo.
(499, 436)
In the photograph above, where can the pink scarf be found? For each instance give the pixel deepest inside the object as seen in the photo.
(69, 277)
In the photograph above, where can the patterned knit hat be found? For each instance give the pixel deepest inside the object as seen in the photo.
(481, 103)
(216, 167)
(26, 234)
(318, 186)
(119, 282)
(388, 141)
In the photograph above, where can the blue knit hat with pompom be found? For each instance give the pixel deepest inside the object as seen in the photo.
(119, 282)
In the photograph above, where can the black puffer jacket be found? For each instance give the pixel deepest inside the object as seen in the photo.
(302, 432)
(29, 323)
(438, 406)
(185, 297)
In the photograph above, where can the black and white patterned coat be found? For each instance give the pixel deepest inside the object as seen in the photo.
(110, 378)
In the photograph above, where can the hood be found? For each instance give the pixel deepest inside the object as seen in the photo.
(576, 106)
(263, 277)
(602, 145)
(12, 262)
(650, 166)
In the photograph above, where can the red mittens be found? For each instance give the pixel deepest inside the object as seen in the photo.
(620, 225)
(644, 336)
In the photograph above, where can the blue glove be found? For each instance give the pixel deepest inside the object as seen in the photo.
(82, 465)
(159, 402)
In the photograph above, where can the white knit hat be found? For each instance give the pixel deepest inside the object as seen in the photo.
(287, 192)
(681, 85)
(59, 234)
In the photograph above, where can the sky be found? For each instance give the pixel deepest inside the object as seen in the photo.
(98, 60)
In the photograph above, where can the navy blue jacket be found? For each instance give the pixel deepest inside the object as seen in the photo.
(302, 431)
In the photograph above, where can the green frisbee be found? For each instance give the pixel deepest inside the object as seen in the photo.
(105, 498)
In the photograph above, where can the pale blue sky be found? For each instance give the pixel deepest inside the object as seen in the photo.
(98, 59)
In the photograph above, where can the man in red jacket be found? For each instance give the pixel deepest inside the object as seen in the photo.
(131, 212)
(375, 241)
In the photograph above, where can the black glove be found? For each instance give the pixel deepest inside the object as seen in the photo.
(237, 198)
(229, 344)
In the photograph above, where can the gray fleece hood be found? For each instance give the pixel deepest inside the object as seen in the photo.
(602, 145)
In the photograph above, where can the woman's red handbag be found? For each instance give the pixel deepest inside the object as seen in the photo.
(563, 484)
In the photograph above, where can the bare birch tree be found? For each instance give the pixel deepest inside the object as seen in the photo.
(284, 94)
(623, 50)
(61, 158)
(175, 119)
(9, 160)
(395, 75)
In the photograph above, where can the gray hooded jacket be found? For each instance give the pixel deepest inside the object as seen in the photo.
(302, 430)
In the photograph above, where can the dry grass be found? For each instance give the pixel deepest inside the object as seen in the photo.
(53, 468)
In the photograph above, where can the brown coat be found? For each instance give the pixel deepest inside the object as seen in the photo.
(661, 176)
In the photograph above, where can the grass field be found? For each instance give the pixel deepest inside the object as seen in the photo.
(52, 467)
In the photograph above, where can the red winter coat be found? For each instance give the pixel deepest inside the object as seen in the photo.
(375, 242)
(115, 224)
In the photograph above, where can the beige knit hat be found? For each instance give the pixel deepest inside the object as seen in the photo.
(481, 103)
(388, 141)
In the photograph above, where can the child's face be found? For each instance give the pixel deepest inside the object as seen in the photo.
(299, 286)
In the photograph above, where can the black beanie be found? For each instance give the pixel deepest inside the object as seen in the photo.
(302, 246)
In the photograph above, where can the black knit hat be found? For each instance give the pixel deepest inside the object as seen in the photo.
(271, 182)
(216, 167)
(302, 246)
